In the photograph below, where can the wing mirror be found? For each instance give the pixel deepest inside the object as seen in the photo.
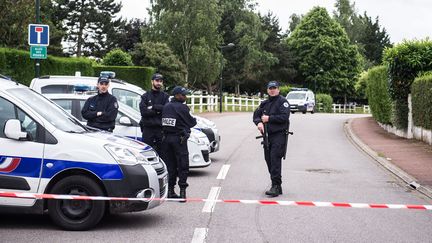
(125, 121)
(12, 130)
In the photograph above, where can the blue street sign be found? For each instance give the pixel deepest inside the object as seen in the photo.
(38, 35)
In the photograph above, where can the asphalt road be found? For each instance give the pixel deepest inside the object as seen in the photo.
(322, 165)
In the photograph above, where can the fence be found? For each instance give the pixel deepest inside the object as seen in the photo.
(201, 103)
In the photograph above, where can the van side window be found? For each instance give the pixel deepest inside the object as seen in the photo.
(57, 89)
(10, 111)
(127, 97)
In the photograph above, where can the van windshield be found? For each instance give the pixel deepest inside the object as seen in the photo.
(48, 110)
(296, 96)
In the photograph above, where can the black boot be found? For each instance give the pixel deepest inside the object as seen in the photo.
(171, 192)
(183, 194)
(274, 191)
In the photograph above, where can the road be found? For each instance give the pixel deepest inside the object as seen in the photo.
(322, 165)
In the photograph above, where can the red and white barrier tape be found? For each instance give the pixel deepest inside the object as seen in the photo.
(261, 202)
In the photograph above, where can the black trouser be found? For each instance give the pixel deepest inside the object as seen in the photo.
(153, 137)
(176, 156)
(273, 156)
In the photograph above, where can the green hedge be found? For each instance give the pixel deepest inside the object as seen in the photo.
(284, 90)
(377, 93)
(18, 65)
(421, 91)
(405, 62)
(140, 76)
(325, 101)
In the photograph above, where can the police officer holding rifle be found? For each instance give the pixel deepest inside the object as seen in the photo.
(272, 120)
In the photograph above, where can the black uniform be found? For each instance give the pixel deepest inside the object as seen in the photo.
(277, 108)
(105, 103)
(151, 106)
(176, 123)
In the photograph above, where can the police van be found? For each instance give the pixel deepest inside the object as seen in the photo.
(301, 99)
(46, 150)
(126, 93)
(127, 124)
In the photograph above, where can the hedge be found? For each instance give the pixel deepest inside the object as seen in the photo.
(405, 62)
(139, 76)
(326, 101)
(18, 65)
(377, 93)
(421, 91)
(284, 90)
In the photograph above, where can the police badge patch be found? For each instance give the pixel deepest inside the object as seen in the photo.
(286, 104)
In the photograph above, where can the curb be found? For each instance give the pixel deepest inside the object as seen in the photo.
(408, 179)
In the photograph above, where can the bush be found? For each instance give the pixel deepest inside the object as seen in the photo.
(18, 65)
(377, 93)
(405, 62)
(325, 102)
(117, 57)
(421, 91)
(140, 76)
(284, 90)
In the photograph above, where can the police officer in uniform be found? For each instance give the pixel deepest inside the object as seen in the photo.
(101, 110)
(151, 106)
(176, 124)
(272, 119)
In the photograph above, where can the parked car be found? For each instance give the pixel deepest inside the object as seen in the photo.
(301, 99)
(127, 124)
(126, 93)
(46, 150)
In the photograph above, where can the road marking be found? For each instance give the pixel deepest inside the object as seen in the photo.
(223, 172)
(212, 197)
(199, 235)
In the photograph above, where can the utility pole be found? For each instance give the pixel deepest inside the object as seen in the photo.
(37, 61)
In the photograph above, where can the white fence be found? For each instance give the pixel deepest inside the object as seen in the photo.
(201, 103)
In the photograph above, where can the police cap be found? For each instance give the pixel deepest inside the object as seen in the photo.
(157, 76)
(272, 84)
(103, 79)
(180, 90)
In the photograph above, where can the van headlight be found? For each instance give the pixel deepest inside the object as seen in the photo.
(126, 156)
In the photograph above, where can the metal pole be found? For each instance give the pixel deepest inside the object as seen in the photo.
(220, 84)
(37, 61)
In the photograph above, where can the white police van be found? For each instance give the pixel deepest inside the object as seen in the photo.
(43, 149)
(126, 93)
(127, 124)
(301, 99)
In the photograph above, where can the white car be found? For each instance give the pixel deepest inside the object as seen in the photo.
(126, 93)
(127, 124)
(46, 150)
(301, 99)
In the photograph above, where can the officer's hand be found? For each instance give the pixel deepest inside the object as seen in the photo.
(261, 127)
(265, 118)
(99, 113)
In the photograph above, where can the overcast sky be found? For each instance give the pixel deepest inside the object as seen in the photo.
(403, 19)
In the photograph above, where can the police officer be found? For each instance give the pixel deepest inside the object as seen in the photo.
(272, 119)
(176, 124)
(151, 106)
(101, 110)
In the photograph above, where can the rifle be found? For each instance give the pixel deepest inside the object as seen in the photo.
(264, 136)
(287, 133)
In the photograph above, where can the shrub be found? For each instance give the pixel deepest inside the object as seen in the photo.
(284, 90)
(325, 102)
(117, 57)
(377, 93)
(421, 91)
(139, 76)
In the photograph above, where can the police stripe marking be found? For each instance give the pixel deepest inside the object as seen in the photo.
(212, 200)
(9, 164)
(199, 236)
(223, 172)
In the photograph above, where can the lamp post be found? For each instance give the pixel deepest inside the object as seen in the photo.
(230, 45)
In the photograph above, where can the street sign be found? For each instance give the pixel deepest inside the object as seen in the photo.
(38, 35)
(38, 52)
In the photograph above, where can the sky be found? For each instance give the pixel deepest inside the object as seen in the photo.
(403, 19)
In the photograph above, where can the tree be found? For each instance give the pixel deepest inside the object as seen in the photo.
(295, 19)
(87, 23)
(160, 56)
(345, 15)
(14, 19)
(117, 57)
(127, 34)
(324, 55)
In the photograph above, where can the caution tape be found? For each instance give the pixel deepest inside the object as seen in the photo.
(261, 202)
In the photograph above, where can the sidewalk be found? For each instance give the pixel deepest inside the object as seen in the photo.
(409, 159)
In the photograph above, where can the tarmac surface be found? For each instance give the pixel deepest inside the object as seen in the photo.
(409, 159)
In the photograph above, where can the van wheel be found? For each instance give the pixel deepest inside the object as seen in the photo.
(312, 111)
(304, 112)
(76, 214)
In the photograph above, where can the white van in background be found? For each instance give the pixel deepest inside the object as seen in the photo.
(301, 99)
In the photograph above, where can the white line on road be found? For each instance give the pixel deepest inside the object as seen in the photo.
(199, 235)
(213, 195)
(223, 172)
